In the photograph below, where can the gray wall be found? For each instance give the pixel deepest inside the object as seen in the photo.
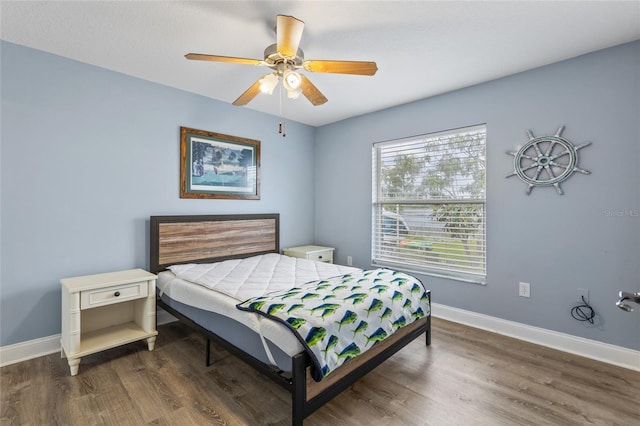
(88, 155)
(556, 243)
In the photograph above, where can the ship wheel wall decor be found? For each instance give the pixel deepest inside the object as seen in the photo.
(546, 161)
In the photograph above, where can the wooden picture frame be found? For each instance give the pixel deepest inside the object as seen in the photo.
(215, 165)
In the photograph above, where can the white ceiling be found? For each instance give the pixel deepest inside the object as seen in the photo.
(422, 48)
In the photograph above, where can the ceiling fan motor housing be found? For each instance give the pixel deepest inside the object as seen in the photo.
(273, 58)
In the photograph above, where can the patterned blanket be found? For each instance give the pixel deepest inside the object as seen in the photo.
(338, 318)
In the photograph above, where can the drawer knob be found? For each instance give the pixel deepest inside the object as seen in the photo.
(319, 257)
(116, 294)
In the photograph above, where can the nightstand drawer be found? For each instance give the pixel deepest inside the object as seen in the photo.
(316, 253)
(325, 256)
(114, 294)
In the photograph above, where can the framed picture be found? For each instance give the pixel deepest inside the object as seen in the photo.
(213, 165)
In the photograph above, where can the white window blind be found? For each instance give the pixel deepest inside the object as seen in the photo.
(429, 203)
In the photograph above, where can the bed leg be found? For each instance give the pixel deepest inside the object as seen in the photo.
(428, 333)
(207, 353)
(298, 390)
(428, 337)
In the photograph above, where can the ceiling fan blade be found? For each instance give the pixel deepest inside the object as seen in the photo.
(341, 67)
(311, 92)
(248, 95)
(289, 33)
(217, 58)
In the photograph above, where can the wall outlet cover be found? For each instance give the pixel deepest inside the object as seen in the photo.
(583, 293)
(524, 289)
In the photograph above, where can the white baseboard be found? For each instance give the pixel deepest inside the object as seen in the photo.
(611, 354)
(28, 350)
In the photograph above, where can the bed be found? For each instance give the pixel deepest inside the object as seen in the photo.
(191, 243)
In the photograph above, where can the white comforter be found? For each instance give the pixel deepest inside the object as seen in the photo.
(243, 279)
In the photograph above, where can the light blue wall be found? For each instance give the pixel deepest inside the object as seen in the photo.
(556, 243)
(87, 155)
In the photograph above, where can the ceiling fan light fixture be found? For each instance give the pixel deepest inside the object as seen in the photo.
(294, 93)
(291, 80)
(268, 83)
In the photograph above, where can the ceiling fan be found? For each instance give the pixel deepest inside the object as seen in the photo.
(285, 58)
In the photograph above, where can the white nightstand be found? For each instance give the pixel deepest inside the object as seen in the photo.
(318, 253)
(107, 310)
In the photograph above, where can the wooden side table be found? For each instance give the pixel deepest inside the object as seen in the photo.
(107, 310)
(318, 253)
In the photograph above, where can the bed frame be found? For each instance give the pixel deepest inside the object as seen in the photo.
(210, 238)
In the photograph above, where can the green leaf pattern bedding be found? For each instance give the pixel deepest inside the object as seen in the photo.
(339, 318)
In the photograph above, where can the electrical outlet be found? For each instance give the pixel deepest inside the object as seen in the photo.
(524, 289)
(583, 293)
(349, 260)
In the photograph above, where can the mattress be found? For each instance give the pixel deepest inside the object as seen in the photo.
(209, 293)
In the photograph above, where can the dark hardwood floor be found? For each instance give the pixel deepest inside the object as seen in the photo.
(466, 377)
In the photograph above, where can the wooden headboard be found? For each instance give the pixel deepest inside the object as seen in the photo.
(211, 238)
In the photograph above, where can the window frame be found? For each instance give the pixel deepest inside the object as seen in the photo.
(420, 260)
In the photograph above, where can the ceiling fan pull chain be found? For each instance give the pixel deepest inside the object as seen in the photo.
(281, 128)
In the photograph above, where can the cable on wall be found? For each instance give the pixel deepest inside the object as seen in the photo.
(583, 312)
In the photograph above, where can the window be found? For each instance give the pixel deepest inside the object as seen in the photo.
(429, 203)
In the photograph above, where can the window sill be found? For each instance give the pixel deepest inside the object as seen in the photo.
(467, 278)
